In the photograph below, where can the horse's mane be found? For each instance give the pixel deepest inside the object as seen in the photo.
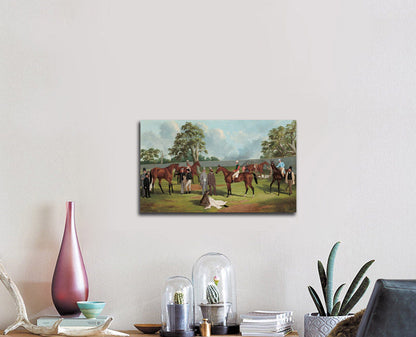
(275, 169)
(227, 172)
(222, 167)
(168, 168)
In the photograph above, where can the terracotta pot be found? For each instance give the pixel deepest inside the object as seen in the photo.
(320, 326)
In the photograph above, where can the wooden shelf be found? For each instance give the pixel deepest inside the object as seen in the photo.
(24, 333)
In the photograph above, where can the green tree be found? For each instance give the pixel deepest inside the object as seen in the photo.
(189, 142)
(207, 158)
(150, 154)
(281, 142)
(290, 138)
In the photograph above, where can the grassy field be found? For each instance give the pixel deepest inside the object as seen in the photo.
(262, 202)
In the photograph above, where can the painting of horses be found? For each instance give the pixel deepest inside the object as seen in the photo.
(217, 166)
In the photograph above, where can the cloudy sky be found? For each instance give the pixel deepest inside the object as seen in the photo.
(225, 139)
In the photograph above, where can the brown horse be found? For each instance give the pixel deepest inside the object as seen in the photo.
(162, 173)
(257, 167)
(247, 177)
(277, 175)
(194, 171)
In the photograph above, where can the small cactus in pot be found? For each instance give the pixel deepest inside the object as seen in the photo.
(178, 312)
(178, 298)
(215, 310)
(213, 294)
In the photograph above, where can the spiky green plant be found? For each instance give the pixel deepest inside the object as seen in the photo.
(334, 307)
(178, 298)
(213, 294)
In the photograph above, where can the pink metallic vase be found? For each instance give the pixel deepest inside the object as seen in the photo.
(70, 282)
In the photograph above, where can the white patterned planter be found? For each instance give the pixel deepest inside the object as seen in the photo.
(320, 326)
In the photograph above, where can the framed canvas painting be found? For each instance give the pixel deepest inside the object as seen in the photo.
(217, 166)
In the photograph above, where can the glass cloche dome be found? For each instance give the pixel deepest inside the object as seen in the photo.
(214, 291)
(177, 308)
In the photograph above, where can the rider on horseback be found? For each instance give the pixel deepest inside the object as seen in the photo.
(281, 167)
(245, 167)
(236, 171)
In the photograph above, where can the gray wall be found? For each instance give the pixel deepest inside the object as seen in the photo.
(76, 78)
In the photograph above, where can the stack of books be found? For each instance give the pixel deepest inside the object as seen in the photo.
(266, 323)
(74, 322)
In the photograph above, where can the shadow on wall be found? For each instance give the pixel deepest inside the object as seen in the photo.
(42, 253)
(45, 239)
(38, 299)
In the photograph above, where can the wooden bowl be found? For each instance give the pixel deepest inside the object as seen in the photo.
(148, 328)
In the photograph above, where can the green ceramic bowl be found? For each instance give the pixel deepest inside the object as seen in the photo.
(91, 309)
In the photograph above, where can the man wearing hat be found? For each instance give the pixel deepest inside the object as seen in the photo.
(146, 186)
(212, 182)
(142, 176)
(290, 179)
(203, 180)
(182, 179)
(281, 167)
(188, 184)
(236, 170)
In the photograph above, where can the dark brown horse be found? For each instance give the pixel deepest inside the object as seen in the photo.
(277, 175)
(247, 177)
(257, 167)
(162, 173)
(194, 171)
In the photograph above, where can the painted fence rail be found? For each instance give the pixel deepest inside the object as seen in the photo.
(289, 161)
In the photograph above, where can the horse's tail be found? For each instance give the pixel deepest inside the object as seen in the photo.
(151, 180)
(255, 177)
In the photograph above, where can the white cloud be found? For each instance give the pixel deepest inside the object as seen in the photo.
(203, 126)
(218, 145)
(169, 129)
(239, 137)
(162, 140)
(251, 150)
(239, 145)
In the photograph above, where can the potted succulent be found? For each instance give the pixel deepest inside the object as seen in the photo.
(178, 313)
(321, 323)
(215, 310)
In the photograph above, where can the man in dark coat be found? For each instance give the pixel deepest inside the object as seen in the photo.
(146, 186)
(290, 179)
(211, 182)
(188, 185)
(142, 176)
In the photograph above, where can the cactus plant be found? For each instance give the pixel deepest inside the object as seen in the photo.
(215, 310)
(178, 298)
(213, 294)
(334, 307)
